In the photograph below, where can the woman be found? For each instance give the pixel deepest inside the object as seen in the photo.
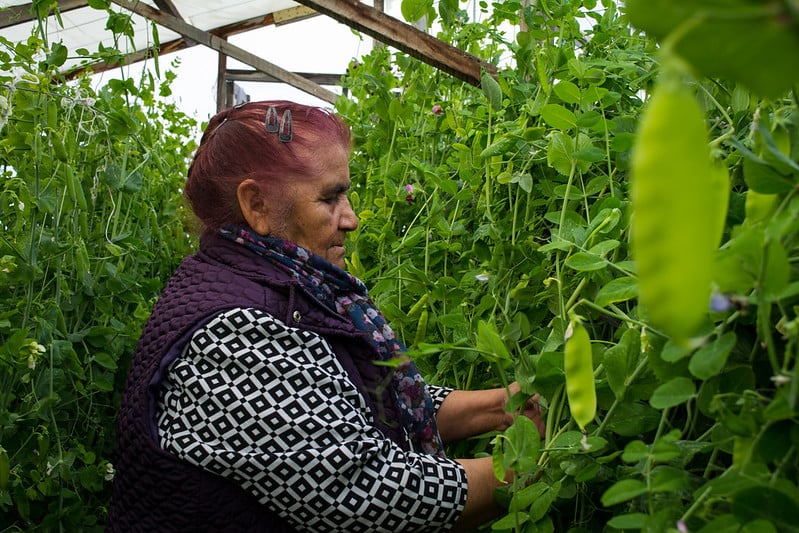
(254, 402)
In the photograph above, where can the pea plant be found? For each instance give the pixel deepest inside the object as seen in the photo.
(611, 221)
(92, 224)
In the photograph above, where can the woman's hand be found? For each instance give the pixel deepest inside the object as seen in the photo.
(464, 414)
(531, 409)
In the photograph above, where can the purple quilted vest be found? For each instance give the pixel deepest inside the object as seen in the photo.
(153, 489)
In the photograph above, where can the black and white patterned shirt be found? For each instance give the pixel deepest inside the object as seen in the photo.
(271, 408)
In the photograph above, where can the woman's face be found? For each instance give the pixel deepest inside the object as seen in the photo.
(317, 214)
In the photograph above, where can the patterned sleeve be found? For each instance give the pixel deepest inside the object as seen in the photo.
(439, 394)
(271, 408)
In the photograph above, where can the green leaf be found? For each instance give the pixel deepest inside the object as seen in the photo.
(568, 92)
(522, 499)
(674, 392)
(735, 39)
(766, 503)
(710, 359)
(558, 117)
(586, 262)
(105, 360)
(413, 10)
(510, 521)
(628, 521)
(522, 445)
(631, 419)
(635, 451)
(620, 360)
(57, 55)
(673, 352)
(489, 342)
(617, 290)
(668, 479)
(559, 152)
(623, 491)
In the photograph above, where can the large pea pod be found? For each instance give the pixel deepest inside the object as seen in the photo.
(578, 364)
(679, 199)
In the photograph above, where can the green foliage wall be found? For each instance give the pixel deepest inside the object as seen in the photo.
(92, 224)
(612, 222)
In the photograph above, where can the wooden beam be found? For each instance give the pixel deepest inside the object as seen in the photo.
(175, 45)
(168, 7)
(22, 13)
(254, 75)
(221, 67)
(404, 37)
(216, 43)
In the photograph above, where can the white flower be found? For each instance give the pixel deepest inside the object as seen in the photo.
(109, 472)
(31, 362)
(780, 380)
(38, 347)
(21, 206)
(481, 277)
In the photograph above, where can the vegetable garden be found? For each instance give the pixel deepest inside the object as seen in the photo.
(612, 221)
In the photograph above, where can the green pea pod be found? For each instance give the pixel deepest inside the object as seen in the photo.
(75, 188)
(492, 90)
(419, 305)
(679, 199)
(421, 327)
(52, 114)
(59, 150)
(579, 368)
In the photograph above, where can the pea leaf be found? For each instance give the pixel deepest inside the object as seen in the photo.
(617, 290)
(673, 392)
(568, 92)
(586, 262)
(735, 39)
(766, 503)
(622, 491)
(709, 360)
(490, 343)
(559, 117)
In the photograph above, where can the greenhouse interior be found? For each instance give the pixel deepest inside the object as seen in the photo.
(568, 300)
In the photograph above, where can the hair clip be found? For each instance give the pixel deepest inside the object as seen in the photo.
(270, 125)
(285, 132)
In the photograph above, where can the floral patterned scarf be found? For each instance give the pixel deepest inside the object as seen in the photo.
(348, 296)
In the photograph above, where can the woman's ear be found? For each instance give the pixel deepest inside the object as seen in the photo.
(253, 206)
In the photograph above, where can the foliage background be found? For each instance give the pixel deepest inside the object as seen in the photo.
(496, 222)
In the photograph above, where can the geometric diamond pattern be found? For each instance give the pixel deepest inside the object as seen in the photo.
(270, 407)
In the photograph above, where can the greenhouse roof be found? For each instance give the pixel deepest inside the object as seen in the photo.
(185, 23)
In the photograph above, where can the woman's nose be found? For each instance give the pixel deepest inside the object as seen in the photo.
(349, 220)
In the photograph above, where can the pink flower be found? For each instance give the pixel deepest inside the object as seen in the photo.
(409, 196)
(437, 110)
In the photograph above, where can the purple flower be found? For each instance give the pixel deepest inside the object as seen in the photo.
(437, 110)
(409, 196)
(719, 302)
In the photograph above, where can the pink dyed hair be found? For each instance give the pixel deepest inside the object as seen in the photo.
(235, 146)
